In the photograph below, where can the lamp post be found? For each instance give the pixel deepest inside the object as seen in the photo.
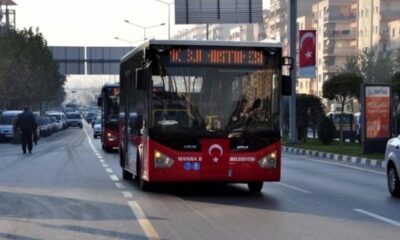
(169, 16)
(144, 27)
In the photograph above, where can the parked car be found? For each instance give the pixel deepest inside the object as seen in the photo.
(7, 121)
(61, 122)
(43, 126)
(349, 125)
(74, 119)
(392, 163)
(97, 128)
(54, 124)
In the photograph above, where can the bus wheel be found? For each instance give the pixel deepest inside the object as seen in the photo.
(255, 186)
(126, 175)
(144, 185)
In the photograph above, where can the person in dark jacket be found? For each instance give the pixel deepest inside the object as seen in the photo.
(26, 124)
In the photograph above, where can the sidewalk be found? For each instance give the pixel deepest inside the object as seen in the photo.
(336, 157)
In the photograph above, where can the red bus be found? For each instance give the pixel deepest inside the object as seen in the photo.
(195, 111)
(108, 101)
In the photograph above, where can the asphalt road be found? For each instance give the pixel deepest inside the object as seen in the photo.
(70, 189)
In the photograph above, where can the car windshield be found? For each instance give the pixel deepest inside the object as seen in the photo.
(58, 117)
(6, 120)
(73, 116)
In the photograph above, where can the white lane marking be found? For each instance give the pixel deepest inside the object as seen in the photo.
(109, 170)
(101, 160)
(143, 221)
(338, 164)
(293, 187)
(114, 178)
(127, 194)
(376, 216)
(104, 165)
(100, 157)
(119, 185)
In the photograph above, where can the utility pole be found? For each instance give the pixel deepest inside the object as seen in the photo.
(293, 42)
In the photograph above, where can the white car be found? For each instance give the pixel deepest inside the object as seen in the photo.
(7, 119)
(97, 128)
(392, 163)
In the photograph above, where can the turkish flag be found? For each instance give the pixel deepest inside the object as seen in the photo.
(215, 159)
(307, 42)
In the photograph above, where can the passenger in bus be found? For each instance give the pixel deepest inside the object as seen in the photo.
(241, 111)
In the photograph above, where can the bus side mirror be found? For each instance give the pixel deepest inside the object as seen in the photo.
(287, 65)
(100, 101)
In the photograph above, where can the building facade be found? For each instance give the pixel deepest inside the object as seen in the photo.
(373, 19)
(335, 23)
(394, 35)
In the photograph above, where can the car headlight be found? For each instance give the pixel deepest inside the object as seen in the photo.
(162, 161)
(268, 161)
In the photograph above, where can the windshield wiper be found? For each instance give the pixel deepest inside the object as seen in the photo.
(248, 133)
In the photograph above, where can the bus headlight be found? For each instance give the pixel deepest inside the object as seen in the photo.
(162, 161)
(111, 137)
(269, 161)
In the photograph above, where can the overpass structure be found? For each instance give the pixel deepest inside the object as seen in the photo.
(88, 60)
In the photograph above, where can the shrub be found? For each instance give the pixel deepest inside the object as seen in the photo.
(326, 131)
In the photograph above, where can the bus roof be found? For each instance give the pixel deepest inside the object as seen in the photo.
(264, 43)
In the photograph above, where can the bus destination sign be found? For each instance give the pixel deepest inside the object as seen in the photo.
(217, 56)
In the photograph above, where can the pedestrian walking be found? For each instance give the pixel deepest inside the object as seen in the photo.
(26, 124)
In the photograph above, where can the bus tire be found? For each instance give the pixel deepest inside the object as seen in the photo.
(126, 175)
(144, 185)
(255, 186)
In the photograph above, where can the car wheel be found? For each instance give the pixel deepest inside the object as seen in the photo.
(255, 186)
(393, 181)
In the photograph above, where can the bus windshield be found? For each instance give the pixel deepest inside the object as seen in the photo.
(202, 101)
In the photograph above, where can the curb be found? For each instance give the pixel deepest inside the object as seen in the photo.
(336, 157)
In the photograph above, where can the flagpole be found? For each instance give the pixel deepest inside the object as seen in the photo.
(292, 41)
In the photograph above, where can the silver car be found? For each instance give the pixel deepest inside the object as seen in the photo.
(97, 128)
(392, 163)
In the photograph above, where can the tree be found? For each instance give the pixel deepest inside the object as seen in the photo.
(342, 87)
(374, 68)
(28, 73)
(309, 112)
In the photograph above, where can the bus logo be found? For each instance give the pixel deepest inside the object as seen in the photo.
(212, 153)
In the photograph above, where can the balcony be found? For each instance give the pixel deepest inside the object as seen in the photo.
(339, 52)
(388, 15)
(340, 34)
(339, 17)
(330, 69)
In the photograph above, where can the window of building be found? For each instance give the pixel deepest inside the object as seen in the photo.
(376, 9)
(376, 29)
(361, 33)
(362, 13)
(393, 32)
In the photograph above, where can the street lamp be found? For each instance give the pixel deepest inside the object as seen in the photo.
(123, 40)
(144, 27)
(169, 16)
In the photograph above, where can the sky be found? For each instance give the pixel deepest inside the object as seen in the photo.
(96, 22)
